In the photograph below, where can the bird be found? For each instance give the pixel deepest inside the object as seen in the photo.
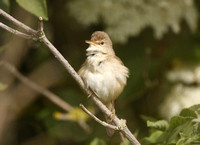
(103, 72)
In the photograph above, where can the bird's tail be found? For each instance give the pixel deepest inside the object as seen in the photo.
(111, 107)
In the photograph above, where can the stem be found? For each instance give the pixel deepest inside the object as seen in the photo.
(51, 96)
(18, 33)
(17, 23)
(105, 124)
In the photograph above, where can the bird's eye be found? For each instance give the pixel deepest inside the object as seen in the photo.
(102, 43)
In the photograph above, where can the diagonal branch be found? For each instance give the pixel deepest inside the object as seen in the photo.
(118, 122)
(65, 63)
(104, 109)
(51, 96)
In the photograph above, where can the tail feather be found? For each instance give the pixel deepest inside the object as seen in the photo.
(111, 107)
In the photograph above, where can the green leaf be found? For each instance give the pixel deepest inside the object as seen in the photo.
(97, 141)
(182, 130)
(147, 118)
(160, 125)
(155, 137)
(194, 140)
(36, 7)
(187, 112)
(195, 107)
(178, 120)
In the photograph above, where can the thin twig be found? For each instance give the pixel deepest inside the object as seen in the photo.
(40, 32)
(17, 23)
(18, 33)
(40, 24)
(117, 121)
(105, 124)
(51, 96)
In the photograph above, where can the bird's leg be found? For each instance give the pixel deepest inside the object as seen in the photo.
(92, 93)
(111, 107)
(109, 119)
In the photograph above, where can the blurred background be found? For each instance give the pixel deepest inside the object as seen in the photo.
(158, 40)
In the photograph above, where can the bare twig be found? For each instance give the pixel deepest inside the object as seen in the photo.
(18, 33)
(40, 32)
(51, 96)
(118, 122)
(105, 124)
(17, 23)
(40, 24)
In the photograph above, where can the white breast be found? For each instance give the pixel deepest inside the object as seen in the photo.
(106, 78)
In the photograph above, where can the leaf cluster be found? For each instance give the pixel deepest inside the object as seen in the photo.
(183, 129)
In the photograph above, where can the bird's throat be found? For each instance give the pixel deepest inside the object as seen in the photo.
(93, 50)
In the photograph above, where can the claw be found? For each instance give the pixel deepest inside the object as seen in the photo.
(89, 95)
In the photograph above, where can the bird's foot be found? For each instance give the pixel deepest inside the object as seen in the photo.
(112, 116)
(122, 124)
(90, 95)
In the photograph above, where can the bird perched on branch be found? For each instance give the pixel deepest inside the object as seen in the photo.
(103, 72)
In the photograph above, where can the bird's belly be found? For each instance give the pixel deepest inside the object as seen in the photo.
(104, 85)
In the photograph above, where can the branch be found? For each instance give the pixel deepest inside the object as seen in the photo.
(66, 64)
(103, 108)
(118, 122)
(105, 124)
(18, 33)
(49, 95)
(17, 23)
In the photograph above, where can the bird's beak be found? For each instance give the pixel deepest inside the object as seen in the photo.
(89, 42)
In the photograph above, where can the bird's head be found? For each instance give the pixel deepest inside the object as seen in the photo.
(100, 43)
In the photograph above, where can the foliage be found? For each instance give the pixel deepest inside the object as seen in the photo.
(183, 129)
(161, 124)
(125, 18)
